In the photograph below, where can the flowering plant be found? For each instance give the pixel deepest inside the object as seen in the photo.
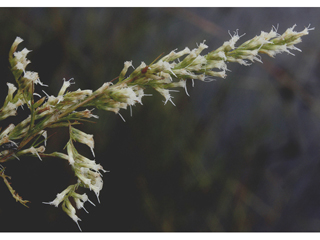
(69, 108)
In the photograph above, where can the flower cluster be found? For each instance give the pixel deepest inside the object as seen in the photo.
(11, 105)
(171, 72)
(214, 64)
(64, 198)
(87, 171)
(67, 108)
(19, 62)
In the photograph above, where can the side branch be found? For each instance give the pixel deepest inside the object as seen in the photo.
(12, 191)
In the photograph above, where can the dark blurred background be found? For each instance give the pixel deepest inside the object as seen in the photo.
(240, 154)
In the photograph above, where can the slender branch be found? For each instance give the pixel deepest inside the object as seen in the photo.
(12, 191)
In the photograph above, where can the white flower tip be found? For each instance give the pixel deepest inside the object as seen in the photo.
(92, 152)
(54, 203)
(76, 221)
(35, 151)
(85, 209)
(91, 202)
(16, 156)
(97, 194)
(309, 29)
(185, 88)
(18, 40)
(71, 161)
(121, 116)
(128, 64)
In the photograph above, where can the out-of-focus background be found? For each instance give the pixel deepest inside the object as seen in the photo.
(239, 154)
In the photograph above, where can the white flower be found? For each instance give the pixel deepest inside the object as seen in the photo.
(162, 66)
(33, 76)
(192, 55)
(139, 94)
(79, 204)
(64, 87)
(127, 64)
(182, 72)
(14, 46)
(10, 109)
(20, 56)
(82, 197)
(238, 60)
(70, 153)
(71, 211)
(7, 130)
(22, 65)
(84, 138)
(219, 54)
(173, 55)
(200, 77)
(87, 176)
(81, 174)
(275, 49)
(219, 64)
(57, 200)
(97, 186)
(166, 94)
(87, 172)
(45, 135)
(129, 94)
(251, 55)
(82, 93)
(289, 33)
(221, 74)
(167, 77)
(142, 65)
(19, 103)
(103, 87)
(201, 47)
(34, 151)
(231, 43)
(17, 41)
(261, 40)
(87, 163)
(60, 197)
(80, 200)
